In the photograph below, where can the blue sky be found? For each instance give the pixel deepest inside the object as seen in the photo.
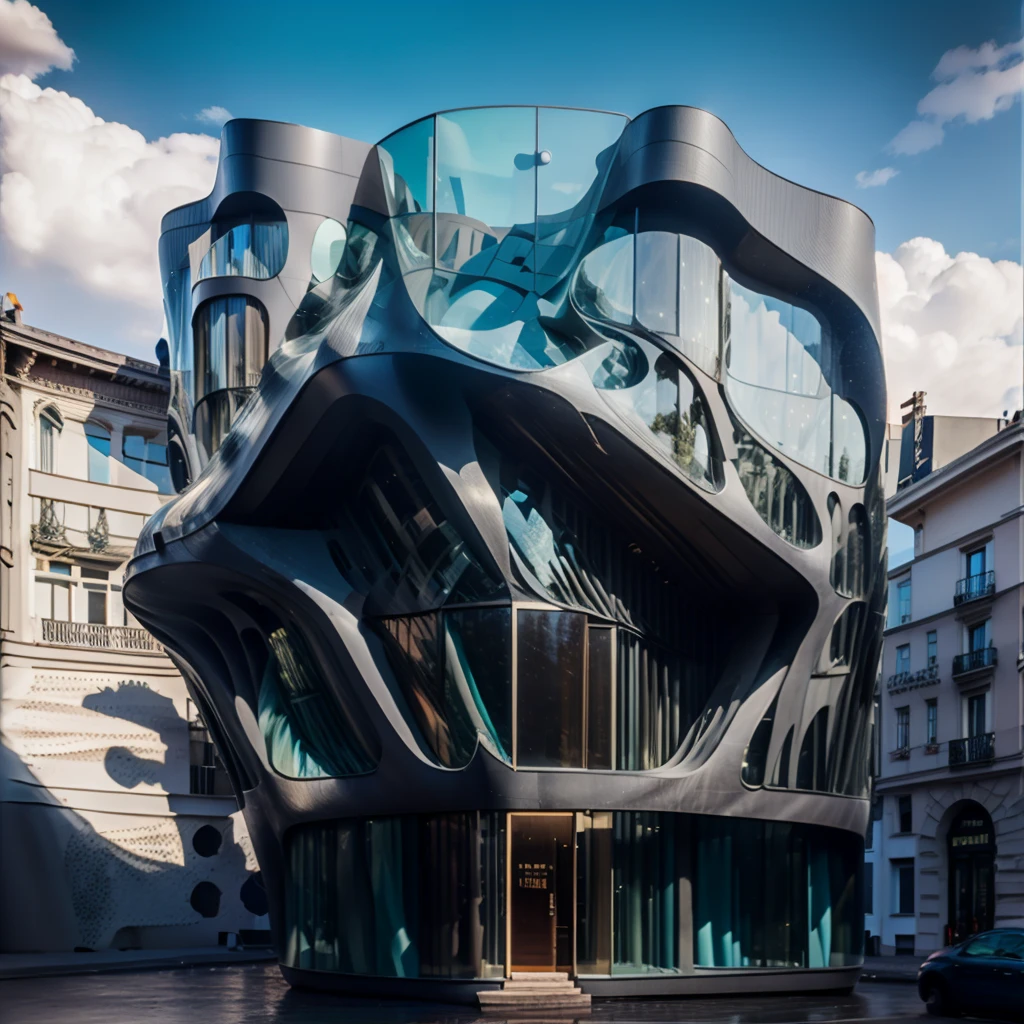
(814, 91)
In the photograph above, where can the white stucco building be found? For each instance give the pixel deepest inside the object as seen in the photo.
(948, 854)
(117, 828)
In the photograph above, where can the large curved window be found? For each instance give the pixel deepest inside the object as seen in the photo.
(776, 494)
(230, 335)
(780, 361)
(455, 669)
(327, 250)
(666, 283)
(308, 734)
(489, 208)
(250, 239)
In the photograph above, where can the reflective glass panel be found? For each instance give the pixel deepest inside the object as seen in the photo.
(657, 281)
(551, 656)
(98, 438)
(407, 164)
(699, 313)
(776, 494)
(849, 442)
(251, 249)
(486, 161)
(775, 894)
(309, 732)
(327, 249)
(575, 150)
(603, 287)
(400, 897)
(648, 869)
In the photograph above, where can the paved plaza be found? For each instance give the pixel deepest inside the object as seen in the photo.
(257, 994)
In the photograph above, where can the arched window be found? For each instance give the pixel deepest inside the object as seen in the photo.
(98, 438)
(51, 423)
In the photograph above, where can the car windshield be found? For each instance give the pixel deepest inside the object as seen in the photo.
(1002, 944)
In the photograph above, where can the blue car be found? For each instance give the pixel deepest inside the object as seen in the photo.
(982, 976)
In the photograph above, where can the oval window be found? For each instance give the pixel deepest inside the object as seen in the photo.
(328, 247)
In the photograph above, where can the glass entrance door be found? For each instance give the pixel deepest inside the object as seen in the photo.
(541, 897)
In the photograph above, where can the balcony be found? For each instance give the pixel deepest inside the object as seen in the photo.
(900, 754)
(92, 634)
(972, 750)
(974, 588)
(974, 661)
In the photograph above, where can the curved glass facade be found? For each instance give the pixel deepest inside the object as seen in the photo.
(489, 209)
(310, 732)
(426, 896)
(567, 460)
(250, 249)
(230, 338)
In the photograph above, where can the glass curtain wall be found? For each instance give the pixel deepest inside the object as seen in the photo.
(776, 894)
(400, 897)
(253, 248)
(489, 207)
(424, 896)
(311, 730)
(230, 336)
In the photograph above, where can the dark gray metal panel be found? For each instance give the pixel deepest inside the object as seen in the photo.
(831, 237)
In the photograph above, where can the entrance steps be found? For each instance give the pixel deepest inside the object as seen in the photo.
(532, 991)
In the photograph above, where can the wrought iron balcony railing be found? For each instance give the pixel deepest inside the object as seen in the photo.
(973, 588)
(972, 750)
(92, 634)
(985, 657)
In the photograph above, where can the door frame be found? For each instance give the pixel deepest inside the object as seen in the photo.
(571, 815)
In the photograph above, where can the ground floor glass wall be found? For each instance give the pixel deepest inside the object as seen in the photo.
(435, 896)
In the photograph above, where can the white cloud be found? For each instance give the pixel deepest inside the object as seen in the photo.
(873, 179)
(974, 85)
(86, 195)
(917, 137)
(952, 326)
(214, 115)
(29, 44)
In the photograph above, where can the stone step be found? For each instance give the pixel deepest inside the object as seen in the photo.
(533, 1000)
(567, 988)
(540, 976)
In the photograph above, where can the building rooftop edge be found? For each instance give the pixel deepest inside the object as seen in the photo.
(995, 447)
(79, 351)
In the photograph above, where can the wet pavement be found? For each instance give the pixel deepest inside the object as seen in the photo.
(257, 994)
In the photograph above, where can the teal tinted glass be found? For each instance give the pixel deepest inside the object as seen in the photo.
(407, 163)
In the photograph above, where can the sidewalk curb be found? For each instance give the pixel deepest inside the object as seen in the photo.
(153, 963)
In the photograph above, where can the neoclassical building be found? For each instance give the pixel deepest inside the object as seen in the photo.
(118, 828)
(527, 566)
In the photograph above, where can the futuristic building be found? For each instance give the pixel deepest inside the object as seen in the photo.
(534, 589)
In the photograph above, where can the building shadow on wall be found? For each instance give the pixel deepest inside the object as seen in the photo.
(145, 884)
(135, 702)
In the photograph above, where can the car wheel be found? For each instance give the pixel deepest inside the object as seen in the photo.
(937, 1001)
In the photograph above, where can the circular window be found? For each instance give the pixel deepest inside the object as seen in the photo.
(206, 842)
(328, 246)
(205, 899)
